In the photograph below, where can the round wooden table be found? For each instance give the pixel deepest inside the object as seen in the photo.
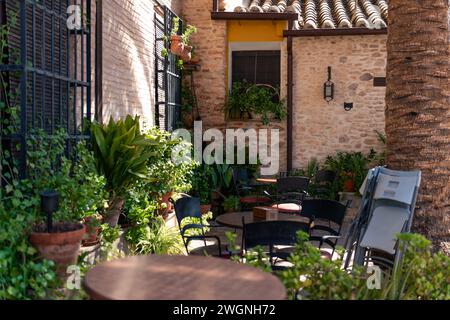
(156, 277)
(234, 220)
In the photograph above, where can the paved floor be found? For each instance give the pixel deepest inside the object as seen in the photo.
(197, 247)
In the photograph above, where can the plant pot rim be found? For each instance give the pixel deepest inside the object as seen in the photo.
(57, 238)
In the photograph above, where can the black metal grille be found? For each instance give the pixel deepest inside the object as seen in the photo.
(168, 77)
(49, 65)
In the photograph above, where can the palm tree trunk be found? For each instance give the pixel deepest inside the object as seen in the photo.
(418, 107)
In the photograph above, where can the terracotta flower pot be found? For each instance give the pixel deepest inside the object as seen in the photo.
(205, 208)
(92, 233)
(62, 246)
(167, 206)
(176, 45)
(349, 183)
(186, 54)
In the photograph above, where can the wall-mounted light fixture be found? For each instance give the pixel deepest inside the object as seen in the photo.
(328, 88)
(348, 106)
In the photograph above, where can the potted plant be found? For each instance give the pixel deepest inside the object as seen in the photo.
(348, 181)
(72, 190)
(248, 101)
(179, 44)
(122, 152)
(93, 225)
(59, 242)
(201, 182)
(232, 204)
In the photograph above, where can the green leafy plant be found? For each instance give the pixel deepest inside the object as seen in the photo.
(222, 178)
(246, 99)
(201, 184)
(122, 152)
(350, 166)
(155, 238)
(232, 204)
(420, 275)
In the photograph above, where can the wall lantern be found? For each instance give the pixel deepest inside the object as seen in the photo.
(328, 88)
(49, 205)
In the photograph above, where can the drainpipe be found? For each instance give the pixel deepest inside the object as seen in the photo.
(99, 61)
(290, 109)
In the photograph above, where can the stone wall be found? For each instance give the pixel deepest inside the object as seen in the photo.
(128, 57)
(322, 128)
(211, 48)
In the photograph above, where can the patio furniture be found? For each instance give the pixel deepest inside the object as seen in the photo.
(236, 220)
(291, 191)
(323, 183)
(326, 220)
(250, 195)
(156, 277)
(271, 234)
(189, 207)
(387, 209)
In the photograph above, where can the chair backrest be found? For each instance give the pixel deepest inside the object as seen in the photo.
(292, 184)
(270, 233)
(330, 210)
(325, 177)
(240, 176)
(187, 206)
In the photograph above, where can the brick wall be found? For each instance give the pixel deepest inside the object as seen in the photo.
(211, 47)
(128, 57)
(322, 128)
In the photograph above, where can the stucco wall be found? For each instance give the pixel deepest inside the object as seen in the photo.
(322, 128)
(128, 57)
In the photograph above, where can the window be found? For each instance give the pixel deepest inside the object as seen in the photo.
(258, 67)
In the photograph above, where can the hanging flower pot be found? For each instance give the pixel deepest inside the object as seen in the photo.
(61, 246)
(186, 54)
(176, 45)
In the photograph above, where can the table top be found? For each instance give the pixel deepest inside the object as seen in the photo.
(234, 220)
(267, 180)
(155, 277)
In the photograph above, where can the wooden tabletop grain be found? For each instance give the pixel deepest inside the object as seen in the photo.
(156, 277)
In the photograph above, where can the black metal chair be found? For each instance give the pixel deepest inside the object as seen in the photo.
(324, 181)
(250, 194)
(189, 207)
(269, 234)
(291, 191)
(326, 220)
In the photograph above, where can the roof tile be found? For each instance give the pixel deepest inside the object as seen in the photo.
(325, 14)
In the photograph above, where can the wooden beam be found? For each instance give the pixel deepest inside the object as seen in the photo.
(333, 32)
(220, 15)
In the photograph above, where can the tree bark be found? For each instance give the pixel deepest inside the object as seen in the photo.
(418, 108)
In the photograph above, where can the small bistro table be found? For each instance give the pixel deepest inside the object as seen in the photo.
(234, 220)
(157, 277)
